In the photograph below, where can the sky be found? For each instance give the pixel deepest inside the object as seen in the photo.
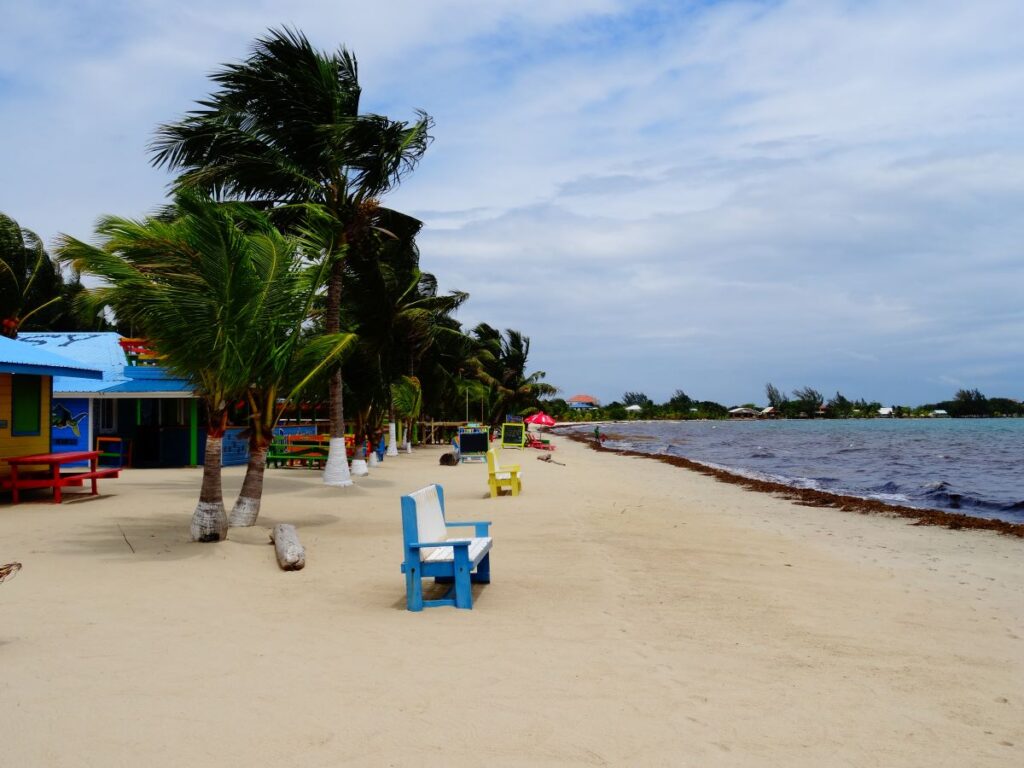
(705, 196)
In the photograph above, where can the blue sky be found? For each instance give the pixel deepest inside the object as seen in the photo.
(662, 195)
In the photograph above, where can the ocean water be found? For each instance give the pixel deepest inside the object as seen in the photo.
(971, 466)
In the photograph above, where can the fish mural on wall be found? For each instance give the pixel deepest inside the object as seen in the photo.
(62, 418)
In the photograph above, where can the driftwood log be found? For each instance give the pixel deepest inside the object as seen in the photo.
(291, 556)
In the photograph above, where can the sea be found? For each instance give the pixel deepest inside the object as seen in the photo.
(970, 466)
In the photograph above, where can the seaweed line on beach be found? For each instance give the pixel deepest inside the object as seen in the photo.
(809, 497)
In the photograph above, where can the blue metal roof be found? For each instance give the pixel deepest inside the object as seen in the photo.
(17, 357)
(99, 350)
(149, 378)
(142, 387)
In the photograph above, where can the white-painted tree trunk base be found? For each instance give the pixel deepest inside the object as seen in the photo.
(336, 471)
(372, 460)
(359, 468)
(392, 440)
(209, 522)
(244, 513)
(408, 447)
(291, 555)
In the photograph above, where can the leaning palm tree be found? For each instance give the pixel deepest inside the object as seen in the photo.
(284, 359)
(284, 131)
(285, 364)
(503, 369)
(204, 284)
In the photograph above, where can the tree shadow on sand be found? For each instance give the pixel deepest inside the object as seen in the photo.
(164, 537)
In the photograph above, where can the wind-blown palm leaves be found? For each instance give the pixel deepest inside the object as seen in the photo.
(503, 369)
(398, 315)
(33, 294)
(406, 402)
(284, 131)
(222, 295)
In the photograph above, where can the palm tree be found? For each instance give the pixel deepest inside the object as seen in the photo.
(285, 361)
(220, 293)
(33, 293)
(284, 131)
(398, 315)
(503, 368)
(406, 403)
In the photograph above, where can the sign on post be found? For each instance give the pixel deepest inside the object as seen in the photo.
(513, 435)
(473, 443)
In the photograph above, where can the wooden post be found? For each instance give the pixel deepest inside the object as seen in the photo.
(291, 555)
(193, 433)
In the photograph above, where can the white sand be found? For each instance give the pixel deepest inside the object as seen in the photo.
(640, 614)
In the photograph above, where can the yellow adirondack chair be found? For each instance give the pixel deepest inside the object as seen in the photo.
(499, 477)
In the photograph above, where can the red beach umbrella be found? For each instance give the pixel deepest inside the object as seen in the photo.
(541, 419)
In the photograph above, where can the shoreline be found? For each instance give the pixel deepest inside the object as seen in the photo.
(810, 497)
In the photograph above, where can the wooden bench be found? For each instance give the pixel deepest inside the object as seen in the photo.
(63, 480)
(78, 478)
(500, 477)
(299, 450)
(283, 455)
(430, 553)
(538, 443)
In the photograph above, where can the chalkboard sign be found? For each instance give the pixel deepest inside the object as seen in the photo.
(234, 447)
(473, 443)
(513, 435)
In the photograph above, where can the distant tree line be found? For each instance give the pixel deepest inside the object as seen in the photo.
(802, 403)
(679, 406)
(970, 403)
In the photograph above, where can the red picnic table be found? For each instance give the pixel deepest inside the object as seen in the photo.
(54, 478)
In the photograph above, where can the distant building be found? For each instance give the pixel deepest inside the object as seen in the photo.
(583, 402)
(938, 413)
(886, 413)
(743, 413)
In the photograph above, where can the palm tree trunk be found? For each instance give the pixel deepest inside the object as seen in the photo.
(359, 465)
(392, 433)
(210, 521)
(336, 471)
(247, 505)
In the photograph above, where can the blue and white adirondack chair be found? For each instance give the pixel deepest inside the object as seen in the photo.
(430, 553)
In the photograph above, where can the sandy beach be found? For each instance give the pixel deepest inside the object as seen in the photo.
(640, 614)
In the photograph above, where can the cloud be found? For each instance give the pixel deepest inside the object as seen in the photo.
(703, 196)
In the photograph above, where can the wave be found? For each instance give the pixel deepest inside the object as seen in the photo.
(889, 487)
(892, 463)
(943, 494)
(890, 498)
